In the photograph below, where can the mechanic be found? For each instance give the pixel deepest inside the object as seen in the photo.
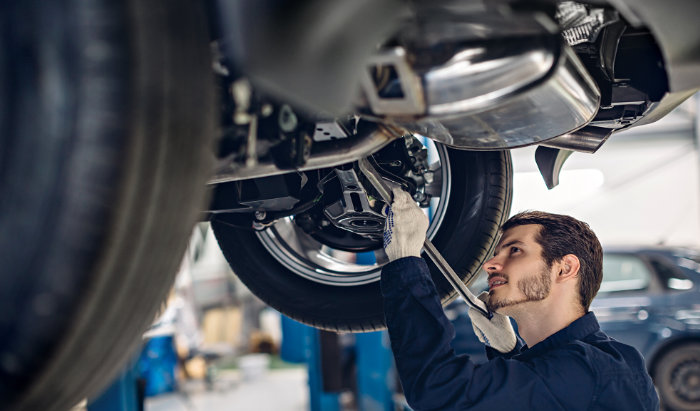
(544, 273)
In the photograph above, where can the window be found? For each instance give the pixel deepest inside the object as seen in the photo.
(624, 273)
(671, 278)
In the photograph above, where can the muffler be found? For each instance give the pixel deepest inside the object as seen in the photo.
(448, 84)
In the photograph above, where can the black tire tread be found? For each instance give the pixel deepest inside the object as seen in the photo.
(145, 207)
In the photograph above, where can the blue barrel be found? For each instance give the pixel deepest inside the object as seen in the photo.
(157, 365)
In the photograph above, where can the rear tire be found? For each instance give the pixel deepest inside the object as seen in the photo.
(479, 202)
(677, 378)
(105, 115)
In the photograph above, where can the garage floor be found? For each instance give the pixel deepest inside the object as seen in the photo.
(280, 390)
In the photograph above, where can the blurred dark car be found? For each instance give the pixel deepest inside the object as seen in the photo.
(650, 299)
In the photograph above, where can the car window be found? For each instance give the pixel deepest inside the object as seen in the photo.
(624, 273)
(670, 278)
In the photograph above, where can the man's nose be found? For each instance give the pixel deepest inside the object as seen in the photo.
(492, 264)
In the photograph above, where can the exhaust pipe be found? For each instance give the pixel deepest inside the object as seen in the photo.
(323, 154)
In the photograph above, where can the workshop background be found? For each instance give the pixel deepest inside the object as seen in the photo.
(218, 347)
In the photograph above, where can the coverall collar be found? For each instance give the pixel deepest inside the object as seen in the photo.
(577, 330)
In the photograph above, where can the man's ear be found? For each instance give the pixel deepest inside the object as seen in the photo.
(569, 265)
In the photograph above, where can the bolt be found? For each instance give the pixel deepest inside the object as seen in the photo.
(241, 93)
(266, 110)
(260, 215)
(287, 119)
(241, 118)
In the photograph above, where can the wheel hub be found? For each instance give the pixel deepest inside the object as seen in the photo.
(325, 243)
(357, 211)
(686, 380)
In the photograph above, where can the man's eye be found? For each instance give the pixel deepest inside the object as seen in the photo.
(514, 250)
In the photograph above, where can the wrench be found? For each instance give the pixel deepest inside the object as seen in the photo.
(376, 180)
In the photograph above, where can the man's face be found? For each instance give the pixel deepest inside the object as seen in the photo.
(517, 272)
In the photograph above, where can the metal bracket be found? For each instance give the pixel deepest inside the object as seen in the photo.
(411, 101)
(550, 161)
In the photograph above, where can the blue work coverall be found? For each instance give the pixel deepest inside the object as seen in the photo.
(577, 368)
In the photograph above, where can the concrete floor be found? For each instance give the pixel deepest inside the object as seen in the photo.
(278, 390)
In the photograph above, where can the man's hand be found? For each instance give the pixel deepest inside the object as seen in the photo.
(497, 332)
(405, 227)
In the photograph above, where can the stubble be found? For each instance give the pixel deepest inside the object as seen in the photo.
(534, 288)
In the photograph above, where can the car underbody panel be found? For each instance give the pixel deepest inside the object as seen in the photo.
(469, 74)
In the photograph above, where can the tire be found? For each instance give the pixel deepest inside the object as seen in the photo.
(104, 121)
(677, 378)
(478, 202)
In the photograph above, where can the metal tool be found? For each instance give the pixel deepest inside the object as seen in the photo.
(376, 180)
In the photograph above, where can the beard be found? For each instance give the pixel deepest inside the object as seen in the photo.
(534, 288)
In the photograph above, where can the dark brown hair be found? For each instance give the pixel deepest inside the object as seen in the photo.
(560, 235)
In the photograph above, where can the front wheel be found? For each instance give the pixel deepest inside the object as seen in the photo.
(308, 280)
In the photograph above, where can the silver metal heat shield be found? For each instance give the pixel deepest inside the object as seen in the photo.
(485, 100)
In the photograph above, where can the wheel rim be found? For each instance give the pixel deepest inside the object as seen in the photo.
(685, 380)
(315, 261)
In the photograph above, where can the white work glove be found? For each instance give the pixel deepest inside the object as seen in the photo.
(405, 227)
(497, 332)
